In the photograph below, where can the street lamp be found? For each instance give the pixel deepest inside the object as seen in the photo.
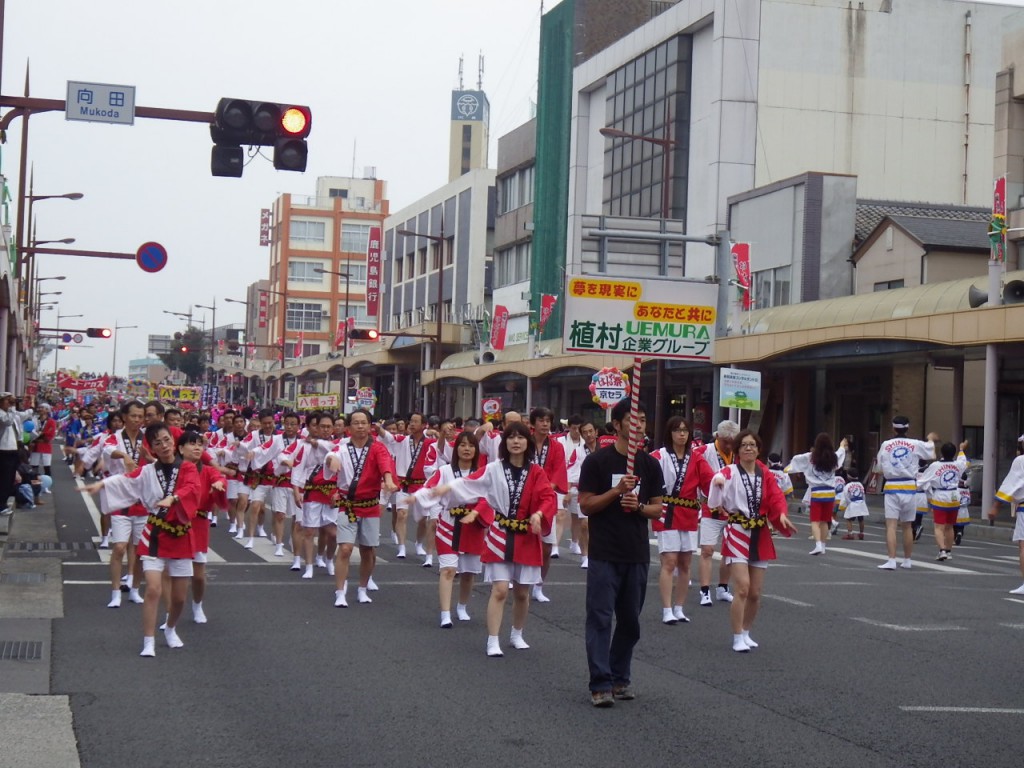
(284, 327)
(113, 362)
(666, 145)
(344, 344)
(56, 351)
(213, 329)
(439, 239)
(245, 345)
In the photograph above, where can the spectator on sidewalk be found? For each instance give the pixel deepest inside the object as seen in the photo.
(10, 435)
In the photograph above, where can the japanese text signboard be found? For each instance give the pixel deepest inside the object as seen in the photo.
(373, 273)
(666, 319)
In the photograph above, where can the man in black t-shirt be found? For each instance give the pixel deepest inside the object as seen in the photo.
(617, 507)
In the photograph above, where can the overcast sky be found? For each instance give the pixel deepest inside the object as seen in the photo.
(378, 75)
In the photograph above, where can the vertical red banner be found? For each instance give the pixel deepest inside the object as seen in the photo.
(741, 260)
(339, 335)
(547, 306)
(499, 326)
(373, 273)
(299, 341)
(264, 309)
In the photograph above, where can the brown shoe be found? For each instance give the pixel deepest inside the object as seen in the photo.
(624, 692)
(602, 699)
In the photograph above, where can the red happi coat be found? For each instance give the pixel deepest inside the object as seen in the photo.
(681, 512)
(376, 465)
(509, 538)
(554, 464)
(752, 543)
(209, 502)
(453, 536)
(143, 486)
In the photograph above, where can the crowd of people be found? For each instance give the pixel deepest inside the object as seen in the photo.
(492, 501)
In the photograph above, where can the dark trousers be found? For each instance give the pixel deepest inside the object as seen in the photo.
(613, 590)
(8, 466)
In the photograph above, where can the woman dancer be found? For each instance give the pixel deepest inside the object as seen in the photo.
(212, 497)
(819, 469)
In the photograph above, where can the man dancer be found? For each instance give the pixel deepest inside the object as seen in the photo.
(711, 458)
(315, 493)
(122, 452)
(414, 454)
(260, 478)
(281, 499)
(898, 459)
(550, 456)
(363, 466)
(236, 459)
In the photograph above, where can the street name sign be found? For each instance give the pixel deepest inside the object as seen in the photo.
(100, 103)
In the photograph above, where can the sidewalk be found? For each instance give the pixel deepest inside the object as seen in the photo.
(35, 727)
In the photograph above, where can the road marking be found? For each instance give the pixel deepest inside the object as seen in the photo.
(833, 583)
(1013, 600)
(1012, 626)
(90, 504)
(788, 601)
(911, 628)
(969, 710)
(918, 564)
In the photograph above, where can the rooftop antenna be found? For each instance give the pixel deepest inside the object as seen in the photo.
(353, 158)
(460, 71)
(480, 73)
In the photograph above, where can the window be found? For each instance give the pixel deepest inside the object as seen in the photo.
(772, 288)
(422, 259)
(307, 231)
(512, 265)
(398, 270)
(435, 256)
(308, 350)
(342, 193)
(515, 190)
(888, 285)
(304, 271)
(358, 311)
(357, 274)
(354, 237)
(304, 316)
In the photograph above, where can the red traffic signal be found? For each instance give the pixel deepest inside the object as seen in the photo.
(183, 349)
(98, 333)
(365, 334)
(240, 122)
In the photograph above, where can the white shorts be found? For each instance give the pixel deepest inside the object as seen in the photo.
(176, 568)
(41, 459)
(401, 500)
(387, 499)
(711, 531)
(572, 503)
(900, 506)
(234, 489)
(364, 532)
(283, 500)
(316, 514)
(418, 512)
(261, 493)
(461, 563)
(1018, 529)
(124, 528)
(677, 541)
(198, 557)
(514, 572)
(744, 561)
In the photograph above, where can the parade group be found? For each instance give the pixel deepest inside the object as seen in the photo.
(496, 499)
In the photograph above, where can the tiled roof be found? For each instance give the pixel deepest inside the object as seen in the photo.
(947, 233)
(871, 212)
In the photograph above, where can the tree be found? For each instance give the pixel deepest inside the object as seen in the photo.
(189, 352)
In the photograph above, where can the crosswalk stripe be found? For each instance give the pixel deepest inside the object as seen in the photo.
(918, 564)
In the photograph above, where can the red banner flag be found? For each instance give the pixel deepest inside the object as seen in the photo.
(298, 346)
(741, 260)
(339, 335)
(264, 309)
(547, 306)
(499, 326)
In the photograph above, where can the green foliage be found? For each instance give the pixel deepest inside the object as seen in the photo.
(193, 361)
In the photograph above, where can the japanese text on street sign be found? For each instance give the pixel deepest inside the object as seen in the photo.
(100, 103)
(373, 273)
(316, 402)
(740, 389)
(653, 318)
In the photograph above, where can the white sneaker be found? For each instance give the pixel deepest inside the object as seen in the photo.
(668, 617)
(197, 613)
(677, 611)
(213, 521)
(739, 644)
(401, 551)
(148, 646)
(233, 528)
(394, 538)
(371, 585)
(428, 561)
(105, 542)
(516, 639)
(574, 548)
(420, 549)
(330, 567)
(585, 562)
(819, 549)
(906, 564)
(135, 597)
(748, 640)
(493, 647)
(240, 534)
(705, 598)
(249, 544)
(1018, 591)
(463, 614)
(279, 550)
(363, 597)
(260, 532)
(308, 574)
(888, 565)
(538, 594)
(446, 620)
(296, 564)
(554, 552)
(173, 641)
(723, 594)
(115, 598)
(320, 562)
(340, 601)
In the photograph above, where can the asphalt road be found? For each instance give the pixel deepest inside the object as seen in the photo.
(856, 667)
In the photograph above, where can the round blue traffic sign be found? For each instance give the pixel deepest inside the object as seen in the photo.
(66, 338)
(151, 257)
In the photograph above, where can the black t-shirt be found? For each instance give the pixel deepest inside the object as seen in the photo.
(617, 536)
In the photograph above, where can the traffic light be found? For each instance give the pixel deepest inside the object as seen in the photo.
(177, 335)
(183, 349)
(364, 334)
(98, 333)
(238, 123)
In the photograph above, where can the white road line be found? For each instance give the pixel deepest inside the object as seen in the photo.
(1013, 600)
(967, 710)
(788, 601)
(918, 564)
(1012, 626)
(90, 505)
(909, 627)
